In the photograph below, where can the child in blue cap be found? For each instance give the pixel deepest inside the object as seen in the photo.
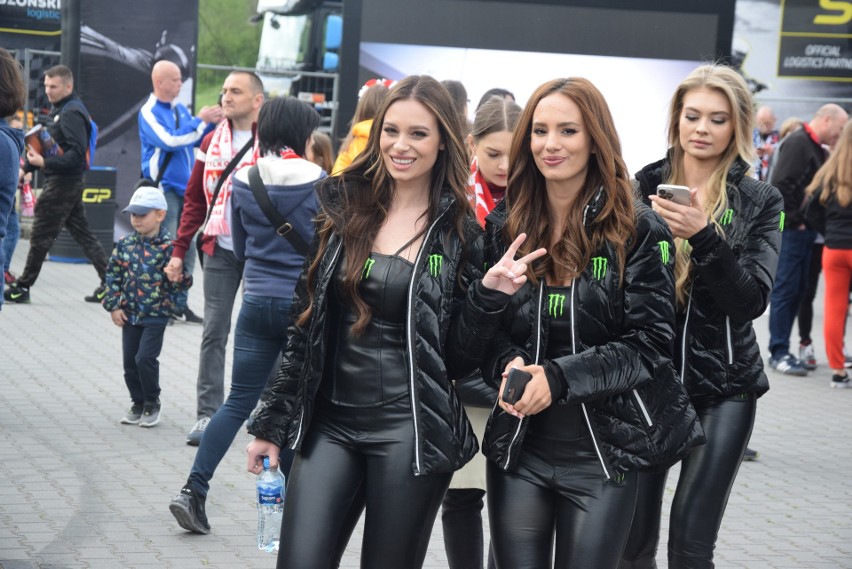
(141, 299)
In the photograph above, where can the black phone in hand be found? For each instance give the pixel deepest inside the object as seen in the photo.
(516, 382)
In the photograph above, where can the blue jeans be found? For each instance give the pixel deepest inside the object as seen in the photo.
(10, 241)
(260, 336)
(175, 203)
(791, 282)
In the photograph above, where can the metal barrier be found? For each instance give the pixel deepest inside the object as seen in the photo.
(35, 62)
(317, 89)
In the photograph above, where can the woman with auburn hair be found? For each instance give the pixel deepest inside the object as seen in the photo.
(726, 251)
(364, 392)
(830, 213)
(372, 95)
(594, 326)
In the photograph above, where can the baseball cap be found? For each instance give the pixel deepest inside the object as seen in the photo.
(146, 198)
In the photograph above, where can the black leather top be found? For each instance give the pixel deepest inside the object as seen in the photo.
(370, 369)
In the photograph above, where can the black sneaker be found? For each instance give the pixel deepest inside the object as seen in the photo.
(17, 293)
(192, 317)
(150, 414)
(841, 381)
(96, 296)
(188, 509)
(750, 455)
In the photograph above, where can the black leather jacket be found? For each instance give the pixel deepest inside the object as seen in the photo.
(69, 127)
(717, 354)
(439, 346)
(621, 372)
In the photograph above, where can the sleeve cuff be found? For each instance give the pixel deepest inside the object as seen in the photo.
(491, 300)
(558, 386)
(704, 241)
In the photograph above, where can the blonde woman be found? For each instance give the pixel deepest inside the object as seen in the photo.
(726, 241)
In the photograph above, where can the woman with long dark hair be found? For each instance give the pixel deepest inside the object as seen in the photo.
(726, 251)
(364, 393)
(594, 327)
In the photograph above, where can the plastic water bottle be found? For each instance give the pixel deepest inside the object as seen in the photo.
(270, 507)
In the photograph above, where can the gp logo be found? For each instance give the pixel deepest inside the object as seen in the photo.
(96, 195)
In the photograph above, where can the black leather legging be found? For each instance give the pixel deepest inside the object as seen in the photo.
(706, 478)
(354, 460)
(551, 495)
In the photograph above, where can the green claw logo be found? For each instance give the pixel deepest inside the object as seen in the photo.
(781, 223)
(599, 266)
(368, 265)
(435, 263)
(555, 305)
(727, 217)
(664, 251)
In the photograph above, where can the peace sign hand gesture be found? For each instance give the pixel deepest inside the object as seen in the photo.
(508, 274)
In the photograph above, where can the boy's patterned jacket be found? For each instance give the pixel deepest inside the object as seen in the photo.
(136, 280)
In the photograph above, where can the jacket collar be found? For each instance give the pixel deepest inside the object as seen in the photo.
(656, 172)
(497, 216)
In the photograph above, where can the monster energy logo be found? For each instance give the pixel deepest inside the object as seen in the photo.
(618, 478)
(368, 265)
(781, 223)
(664, 251)
(727, 217)
(555, 305)
(599, 266)
(435, 264)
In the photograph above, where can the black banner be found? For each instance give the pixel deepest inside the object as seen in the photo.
(816, 40)
(31, 17)
(120, 40)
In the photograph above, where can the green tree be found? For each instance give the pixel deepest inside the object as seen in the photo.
(225, 37)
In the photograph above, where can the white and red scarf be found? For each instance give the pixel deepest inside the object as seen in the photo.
(218, 156)
(479, 193)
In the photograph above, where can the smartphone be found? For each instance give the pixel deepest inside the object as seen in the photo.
(677, 194)
(515, 384)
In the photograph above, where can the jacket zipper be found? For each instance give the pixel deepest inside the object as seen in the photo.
(643, 408)
(537, 354)
(409, 333)
(583, 405)
(730, 342)
(683, 340)
(305, 383)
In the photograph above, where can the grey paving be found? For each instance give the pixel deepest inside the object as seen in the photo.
(78, 490)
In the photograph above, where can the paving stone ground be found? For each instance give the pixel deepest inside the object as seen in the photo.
(78, 490)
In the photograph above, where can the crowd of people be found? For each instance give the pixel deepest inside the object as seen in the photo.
(392, 296)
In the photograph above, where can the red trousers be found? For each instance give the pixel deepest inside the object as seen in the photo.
(837, 269)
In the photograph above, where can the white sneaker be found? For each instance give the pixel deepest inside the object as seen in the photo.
(807, 356)
(194, 436)
(840, 381)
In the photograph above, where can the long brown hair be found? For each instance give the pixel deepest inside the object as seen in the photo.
(526, 195)
(835, 176)
(734, 88)
(366, 189)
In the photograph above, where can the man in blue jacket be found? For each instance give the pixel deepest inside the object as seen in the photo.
(169, 134)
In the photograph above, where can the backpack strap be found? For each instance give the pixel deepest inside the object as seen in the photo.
(169, 155)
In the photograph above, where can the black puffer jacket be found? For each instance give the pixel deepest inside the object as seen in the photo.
(438, 352)
(621, 372)
(717, 354)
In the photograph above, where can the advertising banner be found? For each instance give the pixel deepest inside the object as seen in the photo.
(816, 40)
(30, 17)
(116, 57)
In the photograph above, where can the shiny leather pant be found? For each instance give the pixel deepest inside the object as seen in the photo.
(354, 460)
(706, 478)
(563, 495)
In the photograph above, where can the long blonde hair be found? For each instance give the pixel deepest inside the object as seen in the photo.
(734, 88)
(835, 176)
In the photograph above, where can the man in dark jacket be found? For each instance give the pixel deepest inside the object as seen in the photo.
(800, 157)
(60, 202)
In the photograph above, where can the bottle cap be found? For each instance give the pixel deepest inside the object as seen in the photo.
(266, 463)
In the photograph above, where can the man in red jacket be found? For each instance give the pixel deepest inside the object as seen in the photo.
(242, 97)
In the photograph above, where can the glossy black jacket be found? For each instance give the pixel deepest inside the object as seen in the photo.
(438, 352)
(621, 371)
(717, 353)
